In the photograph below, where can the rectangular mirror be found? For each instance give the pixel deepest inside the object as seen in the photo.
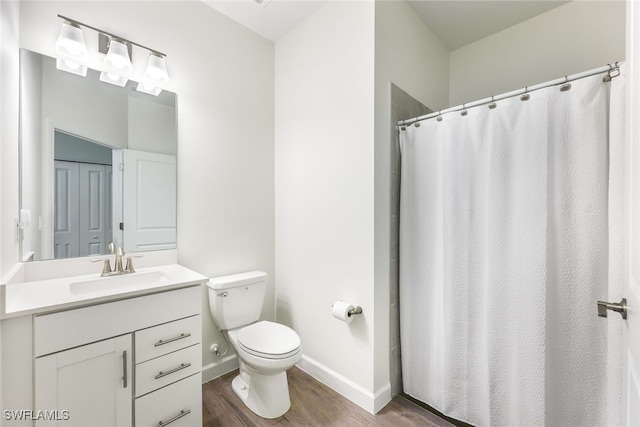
(97, 164)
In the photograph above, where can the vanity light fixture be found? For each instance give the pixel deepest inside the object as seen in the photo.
(117, 63)
(72, 49)
(155, 76)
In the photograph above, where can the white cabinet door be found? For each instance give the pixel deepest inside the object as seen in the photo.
(149, 201)
(86, 386)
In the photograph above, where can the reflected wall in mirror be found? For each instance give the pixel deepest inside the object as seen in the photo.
(97, 164)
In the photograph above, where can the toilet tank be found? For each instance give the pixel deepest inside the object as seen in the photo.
(236, 300)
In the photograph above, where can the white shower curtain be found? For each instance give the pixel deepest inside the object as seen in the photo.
(505, 239)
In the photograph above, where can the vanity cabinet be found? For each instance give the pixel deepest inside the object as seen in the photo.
(130, 362)
(88, 385)
(167, 374)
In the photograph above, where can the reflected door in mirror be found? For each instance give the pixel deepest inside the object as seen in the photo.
(82, 209)
(149, 198)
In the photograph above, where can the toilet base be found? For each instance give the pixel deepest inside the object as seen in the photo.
(267, 395)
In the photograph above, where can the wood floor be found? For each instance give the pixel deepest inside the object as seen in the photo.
(312, 404)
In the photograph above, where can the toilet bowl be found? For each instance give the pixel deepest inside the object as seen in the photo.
(262, 383)
(265, 349)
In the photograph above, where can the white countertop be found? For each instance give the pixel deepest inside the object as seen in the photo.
(75, 291)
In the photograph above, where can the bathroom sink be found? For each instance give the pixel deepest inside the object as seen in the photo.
(114, 283)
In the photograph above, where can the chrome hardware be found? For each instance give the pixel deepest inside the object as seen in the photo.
(106, 267)
(167, 341)
(355, 310)
(118, 266)
(223, 294)
(620, 307)
(124, 369)
(129, 267)
(179, 368)
(177, 417)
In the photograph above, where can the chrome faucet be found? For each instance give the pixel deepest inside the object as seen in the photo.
(117, 268)
(118, 265)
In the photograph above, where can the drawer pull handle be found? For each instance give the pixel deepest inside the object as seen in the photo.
(177, 417)
(167, 341)
(124, 369)
(179, 368)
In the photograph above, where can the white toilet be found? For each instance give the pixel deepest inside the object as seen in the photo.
(266, 349)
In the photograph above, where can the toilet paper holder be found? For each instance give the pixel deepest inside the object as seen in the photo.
(355, 310)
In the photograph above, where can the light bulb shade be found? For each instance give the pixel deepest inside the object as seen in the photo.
(156, 73)
(71, 67)
(71, 41)
(148, 89)
(117, 60)
(113, 78)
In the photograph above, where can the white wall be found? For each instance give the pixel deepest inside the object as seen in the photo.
(325, 190)
(224, 79)
(70, 103)
(572, 38)
(421, 68)
(151, 126)
(123, 118)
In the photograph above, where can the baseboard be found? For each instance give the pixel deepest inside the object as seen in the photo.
(370, 402)
(215, 370)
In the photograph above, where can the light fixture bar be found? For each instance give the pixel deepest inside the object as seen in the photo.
(111, 35)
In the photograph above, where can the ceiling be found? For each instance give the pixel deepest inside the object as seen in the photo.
(455, 22)
(460, 22)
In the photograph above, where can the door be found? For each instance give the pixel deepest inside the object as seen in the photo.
(94, 208)
(86, 386)
(149, 201)
(66, 215)
(82, 209)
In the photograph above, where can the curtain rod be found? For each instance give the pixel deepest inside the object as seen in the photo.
(613, 71)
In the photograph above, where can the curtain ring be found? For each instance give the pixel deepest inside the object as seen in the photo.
(607, 77)
(464, 111)
(492, 104)
(439, 118)
(525, 96)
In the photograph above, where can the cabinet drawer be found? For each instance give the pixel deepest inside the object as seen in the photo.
(167, 369)
(181, 402)
(167, 338)
(71, 328)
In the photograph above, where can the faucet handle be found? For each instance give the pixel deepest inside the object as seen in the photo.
(129, 266)
(119, 251)
(106, 267)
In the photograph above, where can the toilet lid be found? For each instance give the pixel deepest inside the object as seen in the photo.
(268, 339)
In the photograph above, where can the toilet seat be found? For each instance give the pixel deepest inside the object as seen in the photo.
(269, 340)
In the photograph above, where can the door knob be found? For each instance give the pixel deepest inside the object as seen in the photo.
(620, 307)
